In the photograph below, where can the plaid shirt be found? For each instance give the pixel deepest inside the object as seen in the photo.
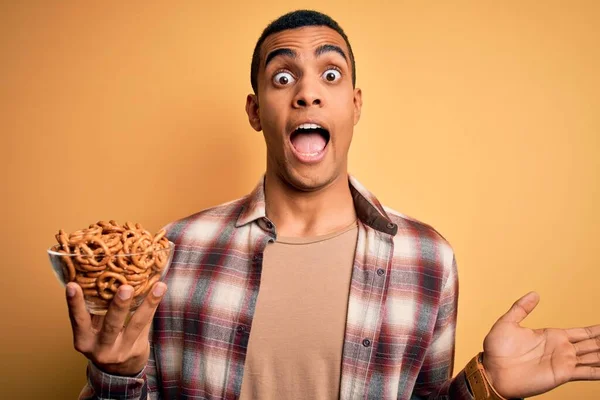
(400, 326)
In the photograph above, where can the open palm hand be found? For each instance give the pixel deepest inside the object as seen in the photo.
(522, 362)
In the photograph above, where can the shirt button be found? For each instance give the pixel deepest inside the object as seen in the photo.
(391, 225)
(255, 258)
(241, 329)
(380, 272)
(366, 342)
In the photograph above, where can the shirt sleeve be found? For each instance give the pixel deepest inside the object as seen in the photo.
(103, 386)
(435, 381)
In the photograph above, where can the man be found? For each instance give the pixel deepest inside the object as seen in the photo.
(308, 288)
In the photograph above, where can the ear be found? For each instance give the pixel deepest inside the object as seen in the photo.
(253, 112)
(357, 105)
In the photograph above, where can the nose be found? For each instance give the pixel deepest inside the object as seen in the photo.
(308, 95)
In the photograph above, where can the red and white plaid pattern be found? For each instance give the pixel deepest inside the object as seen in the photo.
(399, 339)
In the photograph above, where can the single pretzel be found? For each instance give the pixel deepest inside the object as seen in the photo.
(112, 240)
(108, 283)
(92, 254)
(143, 256)
(101, 250)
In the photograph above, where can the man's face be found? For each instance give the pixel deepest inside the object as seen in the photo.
(306, 106)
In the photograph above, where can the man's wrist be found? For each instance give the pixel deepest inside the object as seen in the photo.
(115, 374)
(486, 370)
(479, 381)
(123, 373)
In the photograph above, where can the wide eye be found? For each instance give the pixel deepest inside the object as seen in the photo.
(283, 79)
(332, 75)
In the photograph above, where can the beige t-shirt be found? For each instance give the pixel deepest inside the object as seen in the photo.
(297, 334)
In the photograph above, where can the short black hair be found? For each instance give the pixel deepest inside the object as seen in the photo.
(293, 20)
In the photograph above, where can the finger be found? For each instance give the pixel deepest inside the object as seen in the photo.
(591, 359)
(587, 346)
(79, 316)
(521, 308)
(585, 373)
(141, 320)
(116, 315)
(579, 334)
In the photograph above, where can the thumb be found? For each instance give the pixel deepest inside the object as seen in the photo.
(521, 308)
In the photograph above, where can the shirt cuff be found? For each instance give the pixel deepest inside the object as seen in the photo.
(459, 388)
(106, 386)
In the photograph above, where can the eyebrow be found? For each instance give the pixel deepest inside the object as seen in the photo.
(326, 48)
(284, 52)
(280, 52)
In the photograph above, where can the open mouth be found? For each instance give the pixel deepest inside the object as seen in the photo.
(310, 140)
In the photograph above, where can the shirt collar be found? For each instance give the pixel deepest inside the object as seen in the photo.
(368, 209)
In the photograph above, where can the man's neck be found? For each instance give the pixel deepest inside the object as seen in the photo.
(308, 214)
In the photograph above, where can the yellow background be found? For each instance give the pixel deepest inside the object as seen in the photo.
(480, 118)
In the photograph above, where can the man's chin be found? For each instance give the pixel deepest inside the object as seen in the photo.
(310, 179)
